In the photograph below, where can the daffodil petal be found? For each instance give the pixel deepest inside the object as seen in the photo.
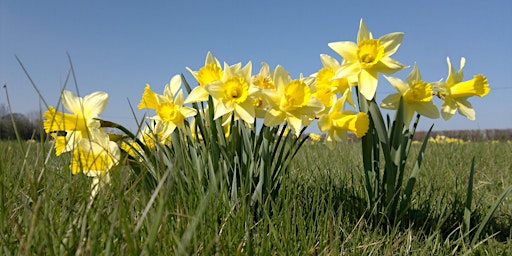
(363, 33)
(399, 85)
(95, 103)
(197, 94)
(388, 65)
(347, 49)
(391, 101)
(368, 83)
(294, 123)
(466, 109)
(428, 109)
(274, 118)
(329, 61)
(71, 102)
(324, 123)
(391, 42)
(347, 69)
(448, 108)
(246, 111)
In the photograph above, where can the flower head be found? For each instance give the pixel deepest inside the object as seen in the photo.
(234, 93)
(416, 94)
(169, 106)
(366, 58)
(338, 121)
(69, 128)
(263, 81)
(325, 87)
(95, 156)
(210, 72)
(455, 92)
(290, 101)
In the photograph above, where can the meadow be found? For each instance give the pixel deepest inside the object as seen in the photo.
(319, 209)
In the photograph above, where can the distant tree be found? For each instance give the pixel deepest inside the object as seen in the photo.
(3, 110)
(26, 128)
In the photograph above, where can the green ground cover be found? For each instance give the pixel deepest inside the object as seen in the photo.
(320, 208)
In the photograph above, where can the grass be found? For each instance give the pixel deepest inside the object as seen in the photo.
(45, 210)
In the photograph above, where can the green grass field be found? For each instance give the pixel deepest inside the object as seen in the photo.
(45, 210)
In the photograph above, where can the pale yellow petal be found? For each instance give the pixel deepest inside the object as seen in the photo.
(391, 101)
(197, 94)
(399, 85)
(388, 65)
(188, 111)
(428, 109)
(246, 111)
(324, 123)
(175, 85)
(274, 118)
(414, 76)
(71, 102)
(295, 124)
(329, 61)
(466, 109)
(448, 108)
(368, 83)
(391, 42)
(363, 33)
(347, 49)
(348, 69)
(95, 103)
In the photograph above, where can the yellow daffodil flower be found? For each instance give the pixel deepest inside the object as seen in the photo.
(290, 101)
(417, 96)
(338, 121)
(169, 106)
(234, 93)
(95, 156)
(325, 87)
(315, 137)
(262, 81)
(69, 128)
(455, 92)
(155, 132)
(210, 72)
(366, 58)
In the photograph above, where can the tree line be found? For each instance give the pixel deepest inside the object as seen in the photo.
(26, 126)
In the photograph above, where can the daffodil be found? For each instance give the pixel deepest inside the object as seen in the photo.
(155, 133)
(290, 101)
(338, 121)
(210, 72)
(69, 128)
(169, 106)
(366, 58)
(417, 96)
(95, 156)
(234, 93)
(455, 92)
(325, 87)
(264, 78)
(262, 81)
(315, 137)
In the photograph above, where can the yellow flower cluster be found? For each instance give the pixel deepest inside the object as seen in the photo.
(441, 139)
(272, 95)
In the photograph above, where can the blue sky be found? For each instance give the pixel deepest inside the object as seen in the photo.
(119, 46)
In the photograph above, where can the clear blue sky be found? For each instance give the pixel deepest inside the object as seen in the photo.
(119, 46)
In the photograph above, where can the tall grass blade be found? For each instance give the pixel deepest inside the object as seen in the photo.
(469, 198)
(489, 215)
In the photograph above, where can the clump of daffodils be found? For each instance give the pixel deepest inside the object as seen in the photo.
(328, 97)
(441, 139)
